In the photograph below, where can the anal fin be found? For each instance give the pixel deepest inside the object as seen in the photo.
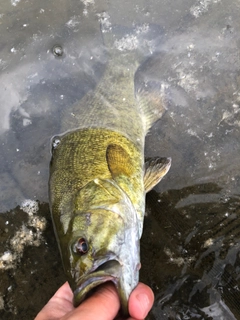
(155, 170)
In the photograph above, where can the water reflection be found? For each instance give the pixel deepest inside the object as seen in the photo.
(194, 250)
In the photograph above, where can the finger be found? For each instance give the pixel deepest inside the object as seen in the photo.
(58, 305)
(140, 301)
(103, 305)
(64, 292)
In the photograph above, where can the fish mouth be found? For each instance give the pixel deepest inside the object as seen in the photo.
(108, 271)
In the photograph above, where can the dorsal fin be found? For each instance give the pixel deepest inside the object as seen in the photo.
(151, 100)
(155, 170)
(119, 161)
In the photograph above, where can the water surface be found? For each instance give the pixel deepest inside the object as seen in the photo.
(51, 54)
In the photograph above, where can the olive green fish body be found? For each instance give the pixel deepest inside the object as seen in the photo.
(98, 180)
(97, 175)
(87, 154)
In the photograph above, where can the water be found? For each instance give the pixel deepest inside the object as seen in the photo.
(51, 55)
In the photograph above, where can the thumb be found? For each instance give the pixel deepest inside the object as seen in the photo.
(103, 305)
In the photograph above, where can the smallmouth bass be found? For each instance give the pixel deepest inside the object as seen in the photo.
(98, 180)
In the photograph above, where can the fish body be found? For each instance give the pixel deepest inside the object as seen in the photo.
(98, 181)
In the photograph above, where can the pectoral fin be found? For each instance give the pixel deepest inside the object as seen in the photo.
(119, 161)
(155, 170)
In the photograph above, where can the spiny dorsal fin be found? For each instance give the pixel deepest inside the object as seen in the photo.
(119, 161)
(155, 170)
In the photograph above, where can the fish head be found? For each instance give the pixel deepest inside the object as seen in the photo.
(102, 242)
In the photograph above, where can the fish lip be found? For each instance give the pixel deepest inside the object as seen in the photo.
(84, 288)
(102, 274)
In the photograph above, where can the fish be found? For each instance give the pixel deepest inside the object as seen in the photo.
(99, 179)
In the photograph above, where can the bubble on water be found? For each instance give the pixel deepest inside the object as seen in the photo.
(201, 7)
(104, 19)
(88, 2)
(38, 223)
(13, 50)
(26, 122)
(191, 46)
(193, 133)
(29, 206)
(131, 41)
(187, 81)
(231, 117)
(15, 2)
(208, 243)
(179, 261)
(57, 50)
(142, 29)
(29, 234)
(24, 237)
(7, 260)
(211, 165)
(7, 255)
(73, 23)
(127, 43)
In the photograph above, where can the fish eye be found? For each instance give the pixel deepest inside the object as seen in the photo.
(80, 246)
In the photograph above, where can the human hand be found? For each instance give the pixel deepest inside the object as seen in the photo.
(104, 304)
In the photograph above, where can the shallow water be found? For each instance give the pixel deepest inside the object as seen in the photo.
(51, 54)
